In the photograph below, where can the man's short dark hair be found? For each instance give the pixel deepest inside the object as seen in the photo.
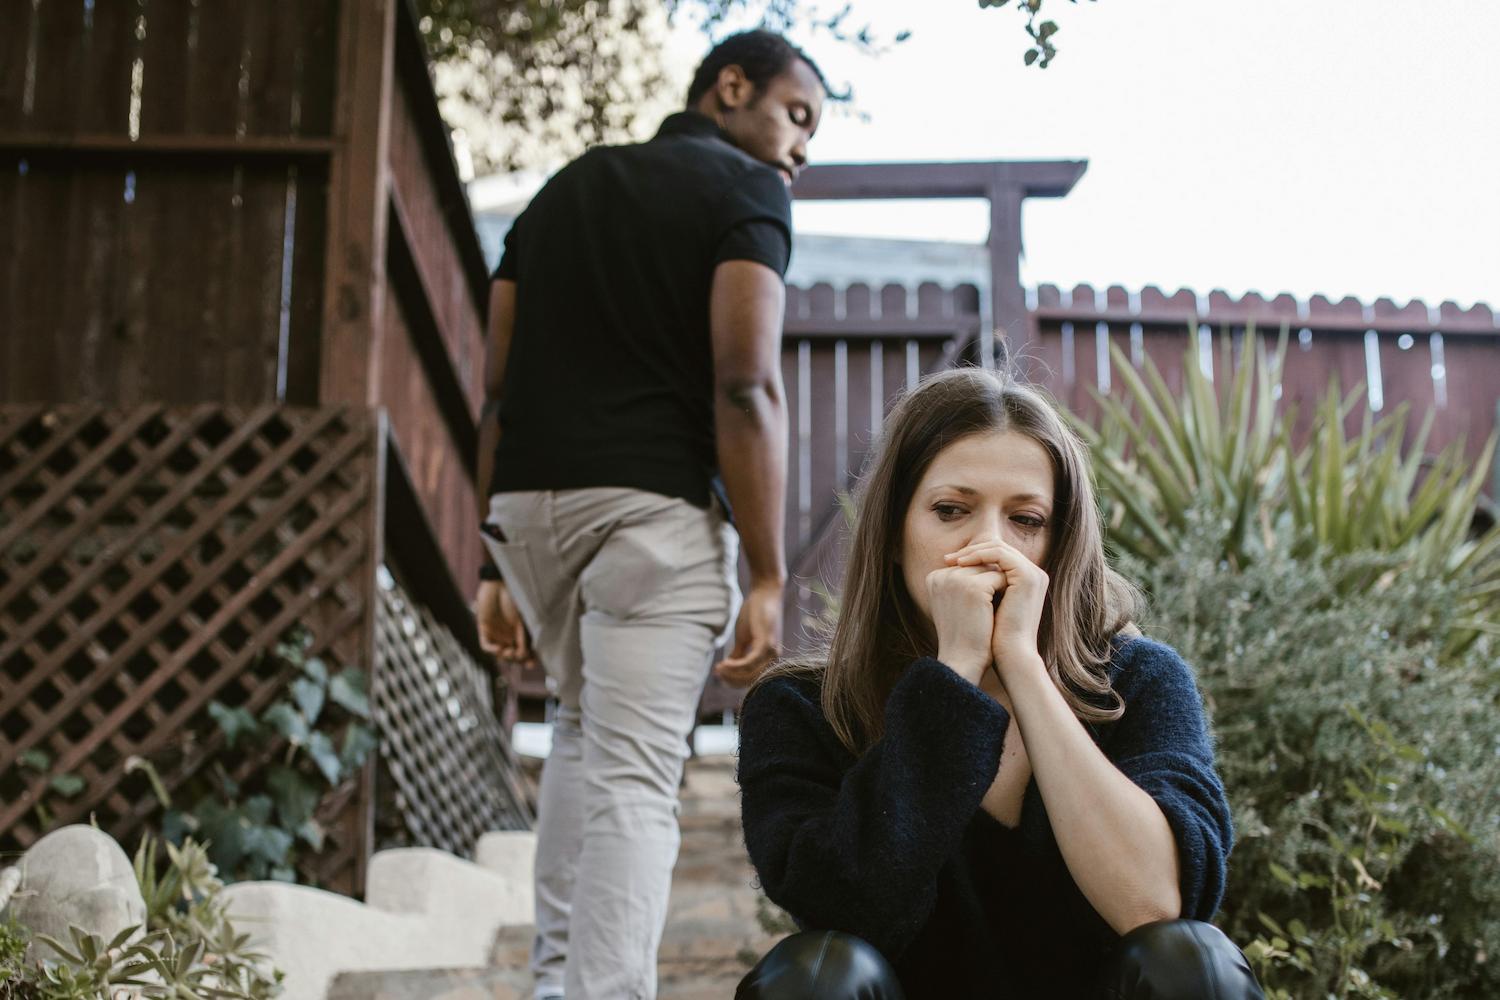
(763, 55)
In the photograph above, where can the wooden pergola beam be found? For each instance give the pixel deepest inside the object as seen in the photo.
(1005, 184)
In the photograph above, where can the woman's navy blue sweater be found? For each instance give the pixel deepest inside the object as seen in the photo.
(893, 846)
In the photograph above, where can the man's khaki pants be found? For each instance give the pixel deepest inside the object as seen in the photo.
(625, 593)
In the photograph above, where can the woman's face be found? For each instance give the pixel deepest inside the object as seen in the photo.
(996, 484)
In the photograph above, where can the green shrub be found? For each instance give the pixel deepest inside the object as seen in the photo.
(1360, 759)
(1342, 613)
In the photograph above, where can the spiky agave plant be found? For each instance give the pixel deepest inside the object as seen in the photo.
(1162, 459)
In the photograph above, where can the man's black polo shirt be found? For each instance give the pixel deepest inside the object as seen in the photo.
(609, 380)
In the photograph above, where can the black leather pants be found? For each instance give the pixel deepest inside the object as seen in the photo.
(1169, 960)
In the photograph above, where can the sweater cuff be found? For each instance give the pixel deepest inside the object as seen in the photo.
(950, 721)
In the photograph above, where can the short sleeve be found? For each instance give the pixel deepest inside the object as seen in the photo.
(756, 223)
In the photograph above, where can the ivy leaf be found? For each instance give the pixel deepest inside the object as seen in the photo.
(287, 721)
(1031, 56)
(36, 759)
(359, 741)
(308, 695)
(67, 785)
(312, 832)
(320, 749)
(268, 843)
(317, 670)
(296, 797)
(176, 825)
(347, 689)
(257, 809)
(223, 833)
(233, 722)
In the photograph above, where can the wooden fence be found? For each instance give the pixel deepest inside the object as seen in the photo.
(241, 203)
(1442, 358)
(848, 351)
(150, 559)
(226, 224)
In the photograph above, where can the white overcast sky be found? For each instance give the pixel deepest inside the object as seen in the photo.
(1348, 147)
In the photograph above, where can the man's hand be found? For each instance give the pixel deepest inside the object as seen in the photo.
(501, 630)
(757, 637)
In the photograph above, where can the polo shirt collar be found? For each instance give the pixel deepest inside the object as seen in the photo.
(691, 123)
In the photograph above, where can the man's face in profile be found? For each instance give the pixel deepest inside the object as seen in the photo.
(775, 123)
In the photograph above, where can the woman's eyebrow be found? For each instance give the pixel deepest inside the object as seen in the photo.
(970, 491)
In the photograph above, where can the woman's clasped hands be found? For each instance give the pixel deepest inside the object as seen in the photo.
(987, 608)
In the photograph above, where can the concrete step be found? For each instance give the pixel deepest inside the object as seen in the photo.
(689, 982)
(713, 933)
(423, 909)
(432, 984)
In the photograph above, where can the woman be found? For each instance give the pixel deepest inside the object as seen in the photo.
(992, 786)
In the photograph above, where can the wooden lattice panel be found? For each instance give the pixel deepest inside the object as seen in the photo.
(147, 559)
(455, 775)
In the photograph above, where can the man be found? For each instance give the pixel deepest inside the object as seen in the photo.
(634, 402)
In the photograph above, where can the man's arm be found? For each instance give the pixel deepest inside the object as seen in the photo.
(746, 304)
(502, 324)
(501, 630)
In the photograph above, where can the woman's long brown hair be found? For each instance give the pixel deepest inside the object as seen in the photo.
(879, 631)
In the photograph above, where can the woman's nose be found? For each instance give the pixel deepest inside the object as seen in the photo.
(988, 526)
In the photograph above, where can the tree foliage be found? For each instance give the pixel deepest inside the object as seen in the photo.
(529, 82)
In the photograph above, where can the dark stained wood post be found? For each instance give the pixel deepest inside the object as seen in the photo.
(354, 285)
(1008, 316)
(1004, 183)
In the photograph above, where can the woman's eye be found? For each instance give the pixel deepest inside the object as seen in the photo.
(1029, 521)
(947, 511)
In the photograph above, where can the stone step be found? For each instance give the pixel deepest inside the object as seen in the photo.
(713, 934)
(688, 981)
(432, 984)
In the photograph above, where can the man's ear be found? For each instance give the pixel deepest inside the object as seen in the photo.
(733, 88)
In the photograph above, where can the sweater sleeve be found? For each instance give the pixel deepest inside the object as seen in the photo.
(1162, 744)
(858, 848)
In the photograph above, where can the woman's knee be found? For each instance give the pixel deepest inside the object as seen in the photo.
(1178, 960)
(821, 965)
